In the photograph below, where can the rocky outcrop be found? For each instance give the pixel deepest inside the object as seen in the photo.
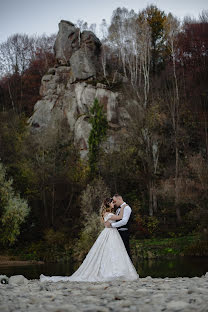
(69, 90)
(67, 42)
(79, 50)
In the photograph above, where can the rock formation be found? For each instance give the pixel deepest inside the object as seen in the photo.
(79, 50)
(68, 90)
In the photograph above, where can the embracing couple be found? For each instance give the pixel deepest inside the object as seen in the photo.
(109, 257)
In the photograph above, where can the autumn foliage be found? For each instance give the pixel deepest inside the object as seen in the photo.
(161, 68)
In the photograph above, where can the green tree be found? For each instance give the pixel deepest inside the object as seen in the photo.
(98, 133)
(13, 209)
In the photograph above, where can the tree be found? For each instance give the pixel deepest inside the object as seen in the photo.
(155, 19)
(47, 170)
(204, 16)
(105, 45)
(99, 128)
(23, 62)
(82, 25)
(13, 209)
(123, 36)
(144, 38)
(172, 30)
(59, 173)
(17, 52)
(145, 129)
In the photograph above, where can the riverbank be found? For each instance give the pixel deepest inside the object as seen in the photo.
(152, 248)
(146, 295)
(15, 261)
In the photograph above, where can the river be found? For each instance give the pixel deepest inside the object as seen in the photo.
(174, 267)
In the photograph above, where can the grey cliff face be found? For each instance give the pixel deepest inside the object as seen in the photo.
(69, 90)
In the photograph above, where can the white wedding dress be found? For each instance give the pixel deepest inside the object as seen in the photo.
(107, 260)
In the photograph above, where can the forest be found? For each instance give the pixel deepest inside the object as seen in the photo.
(50, 197)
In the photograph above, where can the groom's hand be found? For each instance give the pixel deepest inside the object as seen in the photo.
(107, 224)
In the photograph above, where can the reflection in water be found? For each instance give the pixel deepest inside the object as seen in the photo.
(175, 267)
(33, 271)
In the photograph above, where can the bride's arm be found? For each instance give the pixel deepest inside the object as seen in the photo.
(120, 216)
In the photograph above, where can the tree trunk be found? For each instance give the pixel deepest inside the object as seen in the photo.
(178, 213)
(150, 199)
(206, 136)
(10, 95)
(154, 200)
(53, 204)
(44, 193)
(45, 205)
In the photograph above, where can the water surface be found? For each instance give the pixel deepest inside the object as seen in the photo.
(175, 267)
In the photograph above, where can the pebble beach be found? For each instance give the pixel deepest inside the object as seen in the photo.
(145, 295)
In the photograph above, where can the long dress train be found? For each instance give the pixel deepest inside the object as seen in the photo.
(107, 260)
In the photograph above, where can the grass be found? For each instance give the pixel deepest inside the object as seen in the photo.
(161, 247)
(153, 248)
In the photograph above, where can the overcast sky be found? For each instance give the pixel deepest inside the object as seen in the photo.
(42, 16)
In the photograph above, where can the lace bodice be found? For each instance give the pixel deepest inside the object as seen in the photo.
(108, 216)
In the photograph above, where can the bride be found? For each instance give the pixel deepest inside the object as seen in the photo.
(107, 260)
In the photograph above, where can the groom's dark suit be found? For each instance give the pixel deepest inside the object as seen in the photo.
(123, 226)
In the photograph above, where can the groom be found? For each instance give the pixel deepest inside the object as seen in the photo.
(123, 224)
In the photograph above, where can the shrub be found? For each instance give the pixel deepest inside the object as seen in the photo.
(13, 210)
(91, 200)
(151, 224)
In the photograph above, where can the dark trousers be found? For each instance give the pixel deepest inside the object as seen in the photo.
(125, 238)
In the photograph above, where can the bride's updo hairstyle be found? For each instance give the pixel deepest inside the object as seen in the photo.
(105, 207)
